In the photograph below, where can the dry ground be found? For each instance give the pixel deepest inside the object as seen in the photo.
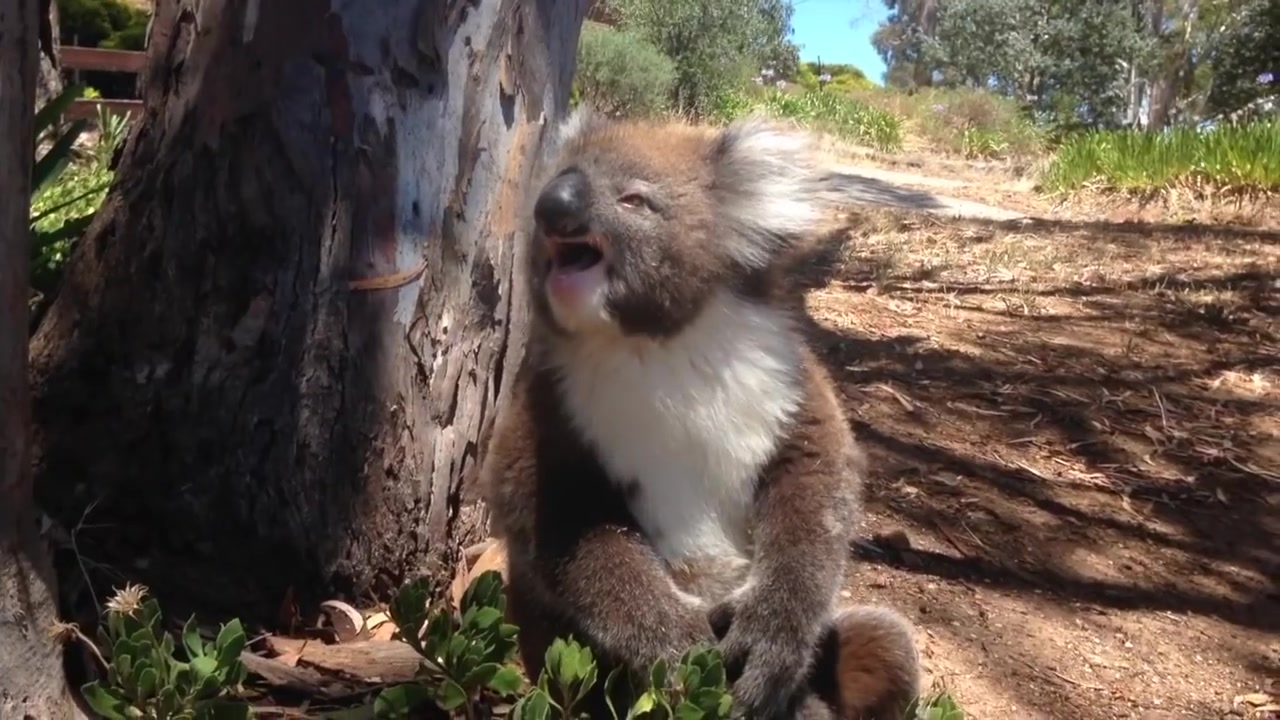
(1076, 434)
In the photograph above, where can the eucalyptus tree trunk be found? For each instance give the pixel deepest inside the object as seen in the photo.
(276, 355)
(48, 80)
(31, 679)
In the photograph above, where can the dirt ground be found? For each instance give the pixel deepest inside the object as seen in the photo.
(1076, 435)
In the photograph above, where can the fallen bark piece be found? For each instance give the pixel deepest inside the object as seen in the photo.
(372, 661)
(494, 557)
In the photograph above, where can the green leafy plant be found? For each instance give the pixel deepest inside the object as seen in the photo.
(936, 706)
(468, 663)
(695, 688)
(1241, 158)
(838, 114)
(145, 679)
(67, 186)
(467, 670)
(463, 656)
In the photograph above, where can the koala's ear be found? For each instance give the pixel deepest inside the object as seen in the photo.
(577, 123)
(773, 192)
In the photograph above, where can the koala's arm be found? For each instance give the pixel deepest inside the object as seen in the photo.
(622, 598)
(804, 508)
(569, 535)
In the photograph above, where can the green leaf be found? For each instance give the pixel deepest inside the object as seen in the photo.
(707, 698)
(48, 114)
(397, 700)
(507, 681)
(409, 612)
(480, 675)
(713, 674)
(645, 703)
(688, 711)
(586, 673)
(484, 591)
(209, 687)
(450, 695)
(567, 669)
(55, 160)
(204, 666)
(230, 643)
(191, 639)
(534, 706)
(105, 701)
(692, 677)
(122, 662)
(481, 618)
(454, 652)
(169, 700)
(611, 682)
(439, 631)
(658, 674)
(148, 682)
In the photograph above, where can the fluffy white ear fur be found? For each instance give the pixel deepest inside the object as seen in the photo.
(574, 124)
(771, 185)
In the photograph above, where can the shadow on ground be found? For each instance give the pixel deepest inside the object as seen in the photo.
(1087, 453)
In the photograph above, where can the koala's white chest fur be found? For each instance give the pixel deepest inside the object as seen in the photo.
(690, 422)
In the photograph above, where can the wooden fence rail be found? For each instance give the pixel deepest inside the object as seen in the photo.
(84, 58)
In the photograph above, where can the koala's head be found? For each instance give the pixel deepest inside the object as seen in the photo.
(641, 224)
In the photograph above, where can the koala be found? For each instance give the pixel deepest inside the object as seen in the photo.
(673, 467)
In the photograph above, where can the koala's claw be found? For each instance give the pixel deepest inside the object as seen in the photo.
(766, 674)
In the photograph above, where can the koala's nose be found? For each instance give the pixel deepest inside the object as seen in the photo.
(564, 206)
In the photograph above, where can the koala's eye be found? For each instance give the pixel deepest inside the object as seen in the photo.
(634, 200)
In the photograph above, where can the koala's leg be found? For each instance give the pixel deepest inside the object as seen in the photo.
(867, 666)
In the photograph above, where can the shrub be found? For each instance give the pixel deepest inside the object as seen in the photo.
(729, 106)
(1234, 158)
(970, 123)
(844, 78)
(619, 72)
(102, 23)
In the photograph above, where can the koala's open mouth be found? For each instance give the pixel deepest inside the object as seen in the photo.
(573, 256)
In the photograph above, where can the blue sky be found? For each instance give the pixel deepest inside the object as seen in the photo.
(839, 31)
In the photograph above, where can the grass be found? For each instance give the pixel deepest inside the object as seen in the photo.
(1237, 159)
(834, 113)
(967, 123)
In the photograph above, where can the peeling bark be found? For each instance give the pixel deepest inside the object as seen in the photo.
(48, 79)
(31, 678)
(245, 420)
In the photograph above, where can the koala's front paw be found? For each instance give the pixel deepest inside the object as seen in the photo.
(766, 664)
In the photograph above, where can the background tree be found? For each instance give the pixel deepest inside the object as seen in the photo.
(1246, 68)
(717, 45)
(900, 42)
(278, 351)
(1062, 60)
(619, 72)
(31, 681)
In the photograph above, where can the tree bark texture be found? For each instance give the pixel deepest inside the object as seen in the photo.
(241, 419)
(49, 80)
(31, 678)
